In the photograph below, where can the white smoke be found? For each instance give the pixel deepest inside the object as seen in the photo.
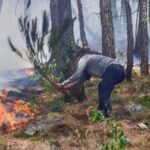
(11, 10)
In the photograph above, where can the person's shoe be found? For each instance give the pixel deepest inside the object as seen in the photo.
(106, 114)
(105, 109)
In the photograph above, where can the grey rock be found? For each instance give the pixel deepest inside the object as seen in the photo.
(31, 131)
(133, 108)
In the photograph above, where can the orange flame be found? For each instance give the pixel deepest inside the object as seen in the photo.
(9, 120)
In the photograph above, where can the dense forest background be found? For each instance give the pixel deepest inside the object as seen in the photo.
(92, 28)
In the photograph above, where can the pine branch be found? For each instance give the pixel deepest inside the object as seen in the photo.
(14, 49)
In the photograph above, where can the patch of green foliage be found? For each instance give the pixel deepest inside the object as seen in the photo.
(53, 116)
(33, 101)
(90, 83)
(119, 140)
(35, 138)
(56, 105)
(93, 95)
(143, 100)
(46, 85)
(20, 134)
(64, 61)
(97, 115)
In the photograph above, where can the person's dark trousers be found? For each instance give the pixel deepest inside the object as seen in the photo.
(113, 75)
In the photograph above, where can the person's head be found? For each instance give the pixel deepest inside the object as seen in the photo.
(82, 51)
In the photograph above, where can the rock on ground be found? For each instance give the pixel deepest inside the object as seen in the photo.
(133, 108)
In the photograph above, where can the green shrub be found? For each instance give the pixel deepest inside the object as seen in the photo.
(119, 140)
(97, 115)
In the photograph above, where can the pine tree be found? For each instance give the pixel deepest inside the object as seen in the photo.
(130, 40)
(61, 10)
(108, 43)
(141, 45)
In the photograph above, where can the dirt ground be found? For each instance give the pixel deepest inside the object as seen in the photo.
(75, 131)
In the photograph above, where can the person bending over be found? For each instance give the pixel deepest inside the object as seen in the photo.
(93, 64)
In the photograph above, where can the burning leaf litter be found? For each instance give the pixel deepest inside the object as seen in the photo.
(15, 113)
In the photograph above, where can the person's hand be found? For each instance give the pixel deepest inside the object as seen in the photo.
(60, 87)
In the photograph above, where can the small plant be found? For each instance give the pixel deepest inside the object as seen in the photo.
(97, 115)
(119, 139)
(46, 85)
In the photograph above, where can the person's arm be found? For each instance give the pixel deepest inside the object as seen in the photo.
(70, 86)
(78, 74)
(67, 87)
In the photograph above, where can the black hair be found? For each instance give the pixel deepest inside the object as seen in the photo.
(85, 50)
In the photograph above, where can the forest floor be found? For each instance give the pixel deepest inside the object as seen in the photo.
(60, 125)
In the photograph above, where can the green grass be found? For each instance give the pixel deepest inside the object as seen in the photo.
(143, 100)
(90, 83)
(93, 95)
(97, 116)
(20, 134)
(56, 105)
(32, 101)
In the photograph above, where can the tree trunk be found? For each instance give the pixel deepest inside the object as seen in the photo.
(149, 12)
(130, 40)
(108, 44)
(60, 10)
(143, 33)
(81, 21)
